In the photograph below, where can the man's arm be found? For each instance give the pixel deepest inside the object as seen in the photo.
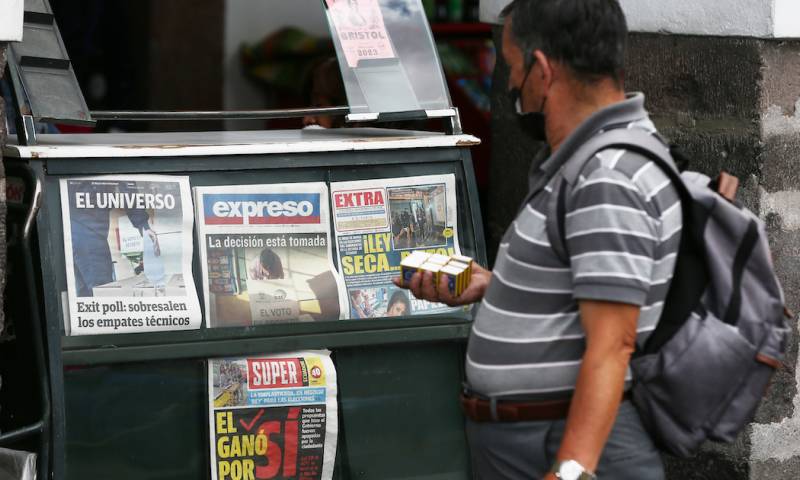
(610, 340)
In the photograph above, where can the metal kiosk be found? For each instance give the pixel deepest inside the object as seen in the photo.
(135, 405)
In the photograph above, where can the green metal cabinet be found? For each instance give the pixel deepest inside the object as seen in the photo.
(135, 406)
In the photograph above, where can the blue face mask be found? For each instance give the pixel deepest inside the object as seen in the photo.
(532, 122)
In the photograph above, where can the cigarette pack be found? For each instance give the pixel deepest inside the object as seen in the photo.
(464, 266)
(439, 259)
(434, 268)
(455, 280)
(462, 259)
(411, 265)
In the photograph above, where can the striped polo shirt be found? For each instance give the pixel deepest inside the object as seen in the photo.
(622, 232)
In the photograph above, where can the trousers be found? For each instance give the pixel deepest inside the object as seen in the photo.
(527, 450)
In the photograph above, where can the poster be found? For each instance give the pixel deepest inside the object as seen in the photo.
(128, 252)
(361, 30)
(265, 254)
(377, 224)
(273, 416)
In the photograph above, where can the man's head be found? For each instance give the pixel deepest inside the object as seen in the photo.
(563, 47)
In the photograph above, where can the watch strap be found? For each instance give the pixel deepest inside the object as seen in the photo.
(585, 474)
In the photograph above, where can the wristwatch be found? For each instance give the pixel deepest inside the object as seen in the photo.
(572, 470)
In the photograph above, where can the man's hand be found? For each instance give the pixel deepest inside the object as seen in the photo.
(422, 286)
(154, 238)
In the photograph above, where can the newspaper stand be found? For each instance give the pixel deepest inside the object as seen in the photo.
(135, 405)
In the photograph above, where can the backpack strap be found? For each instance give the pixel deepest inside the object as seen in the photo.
(635, 140)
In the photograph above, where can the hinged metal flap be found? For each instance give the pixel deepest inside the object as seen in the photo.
(41, 72)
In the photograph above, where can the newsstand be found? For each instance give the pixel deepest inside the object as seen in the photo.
(168, 290)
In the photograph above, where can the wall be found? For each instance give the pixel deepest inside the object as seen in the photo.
(249, 21)
(744, 18)
(11, 20)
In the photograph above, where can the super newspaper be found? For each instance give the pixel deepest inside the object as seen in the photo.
(265, 254)
(128, 253)
(273, 416)
(377, 224)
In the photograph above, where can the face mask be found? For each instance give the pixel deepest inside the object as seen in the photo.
(532, 122)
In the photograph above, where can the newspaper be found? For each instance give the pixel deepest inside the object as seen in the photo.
(128, 252)
(265, 254)
(361, 30)
(380, 222)
(273, 416)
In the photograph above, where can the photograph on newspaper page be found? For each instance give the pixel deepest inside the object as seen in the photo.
(361, 30)
(265, 254)
(273, 416)
(380, 222)
(128, 252)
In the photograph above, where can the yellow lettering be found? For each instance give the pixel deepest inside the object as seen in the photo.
(261, 444)
(225, 424)
(248, 449)
(347, 266)
(249, 469)
(236, 447)
(223, 450)
(224, 469)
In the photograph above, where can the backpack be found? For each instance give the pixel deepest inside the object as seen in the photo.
(722, 333)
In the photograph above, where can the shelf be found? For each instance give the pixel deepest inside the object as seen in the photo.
(459, 29)
(233, 341)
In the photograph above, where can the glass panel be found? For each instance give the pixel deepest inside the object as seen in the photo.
(387, 56)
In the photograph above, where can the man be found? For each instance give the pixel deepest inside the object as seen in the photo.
(547, 361)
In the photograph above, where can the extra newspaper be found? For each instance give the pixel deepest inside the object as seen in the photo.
(380, 222)
(265, 254)
(128, 252)
(273, 416)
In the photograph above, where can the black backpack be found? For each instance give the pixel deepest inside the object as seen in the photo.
(722, 333)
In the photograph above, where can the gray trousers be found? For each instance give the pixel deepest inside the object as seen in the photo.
(527, 450)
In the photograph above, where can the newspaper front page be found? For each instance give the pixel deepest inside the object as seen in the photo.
(273, 416)
(361, 30)
(380, 222)
(265, 254)
(128, 252)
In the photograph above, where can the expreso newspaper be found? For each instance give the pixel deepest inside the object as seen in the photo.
(265, 254)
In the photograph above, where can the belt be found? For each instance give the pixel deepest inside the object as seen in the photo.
(480, 409)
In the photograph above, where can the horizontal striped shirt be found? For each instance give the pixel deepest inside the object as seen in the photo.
(622, 231)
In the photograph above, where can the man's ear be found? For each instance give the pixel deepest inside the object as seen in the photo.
(545, 68)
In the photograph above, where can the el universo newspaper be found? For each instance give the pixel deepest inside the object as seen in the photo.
(273, 416)
(265, 254)
(377, 224)
(128, 253)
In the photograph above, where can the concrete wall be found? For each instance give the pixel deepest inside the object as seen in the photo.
(741, 18)
(732, 104)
